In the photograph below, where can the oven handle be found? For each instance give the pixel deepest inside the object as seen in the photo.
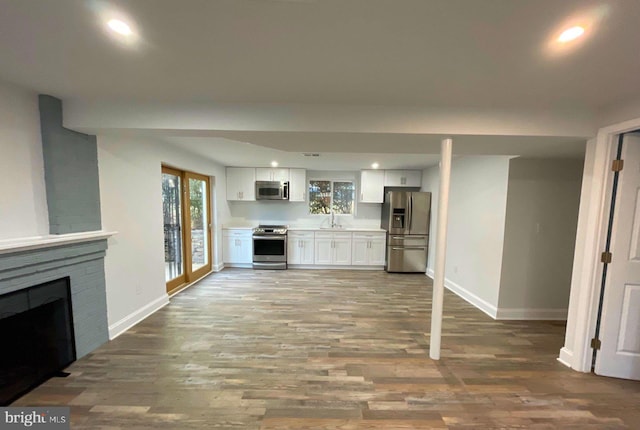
(269, 238)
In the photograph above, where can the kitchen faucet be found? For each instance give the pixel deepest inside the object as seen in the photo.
(333, 221)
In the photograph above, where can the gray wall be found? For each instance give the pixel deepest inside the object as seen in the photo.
(70, 171)
(477, 204)
(540, 231)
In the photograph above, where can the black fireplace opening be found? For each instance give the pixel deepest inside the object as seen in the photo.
(36, 334)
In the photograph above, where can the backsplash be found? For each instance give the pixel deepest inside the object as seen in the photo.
(297, 214)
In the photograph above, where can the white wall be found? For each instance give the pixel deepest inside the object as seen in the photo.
(297, 213)
(23, 200)
(131, 203)
(477, 208)
(540, 232)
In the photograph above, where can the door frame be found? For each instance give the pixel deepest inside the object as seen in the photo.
(188, 277)
(590, 241)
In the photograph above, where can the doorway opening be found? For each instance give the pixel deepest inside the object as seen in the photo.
(186, 210)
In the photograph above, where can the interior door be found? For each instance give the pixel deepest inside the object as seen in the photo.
(619, 355)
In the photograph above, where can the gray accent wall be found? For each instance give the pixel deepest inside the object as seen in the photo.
(70, 171)
(83, 263)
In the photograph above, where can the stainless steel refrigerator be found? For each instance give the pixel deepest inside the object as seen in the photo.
(405, 217)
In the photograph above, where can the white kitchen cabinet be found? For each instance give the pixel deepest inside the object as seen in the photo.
(272, 174)
(300, 247)
(241, 183)
(297, 185)
(368, 249)
(372, 186)
(237, 246)
(402, 178)
(332, 248)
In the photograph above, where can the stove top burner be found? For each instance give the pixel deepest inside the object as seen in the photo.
(264, 229)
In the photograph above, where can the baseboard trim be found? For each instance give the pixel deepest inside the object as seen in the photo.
(239, 265)
(218, 267)
(566, 356)
(468, 296)
(532, 314)
(134, 318)
(332, 267)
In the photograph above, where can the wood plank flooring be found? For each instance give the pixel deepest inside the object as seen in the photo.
(303, 349)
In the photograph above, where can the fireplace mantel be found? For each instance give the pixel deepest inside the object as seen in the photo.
(29, 243)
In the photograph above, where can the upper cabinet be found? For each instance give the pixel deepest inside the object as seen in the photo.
(241, 183)
(271, 174)
(402, 178)
(372, 186)
(297, 185)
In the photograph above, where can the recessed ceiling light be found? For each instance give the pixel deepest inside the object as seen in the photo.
(571, 34)
(274, 164)
(375, 165)
(120, 27)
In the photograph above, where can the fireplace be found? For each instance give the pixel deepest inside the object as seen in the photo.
(37, 336)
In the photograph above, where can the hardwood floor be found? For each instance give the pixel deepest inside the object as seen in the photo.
(302, 349)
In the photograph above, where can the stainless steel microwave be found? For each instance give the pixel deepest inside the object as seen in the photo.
(272, 190)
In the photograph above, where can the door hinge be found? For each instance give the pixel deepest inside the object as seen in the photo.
(617, 165)
(596, 344)
(606, 257)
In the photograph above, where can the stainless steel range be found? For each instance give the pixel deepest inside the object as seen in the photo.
(270, 247)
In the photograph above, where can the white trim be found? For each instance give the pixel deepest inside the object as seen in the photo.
(218, 267)
(36, 242)
(531, 314)
(134, 318)
(566, 357)
(468, 296)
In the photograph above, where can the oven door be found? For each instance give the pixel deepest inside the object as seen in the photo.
(268, 249)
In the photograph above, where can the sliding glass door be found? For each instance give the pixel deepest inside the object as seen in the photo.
(199, 237)
(186, 208)
(173, 231)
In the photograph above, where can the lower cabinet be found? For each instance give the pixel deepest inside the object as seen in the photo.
(300, 247)
(368, 249)
(237, 246)
(333, 248)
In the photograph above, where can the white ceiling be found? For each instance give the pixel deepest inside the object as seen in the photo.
(391, 151)
(439, 53)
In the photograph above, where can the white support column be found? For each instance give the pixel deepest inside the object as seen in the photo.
(441, 249)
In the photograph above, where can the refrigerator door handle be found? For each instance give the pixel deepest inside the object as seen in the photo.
(408, 249)
(409, 213)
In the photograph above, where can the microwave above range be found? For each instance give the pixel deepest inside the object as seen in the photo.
(272, 190)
